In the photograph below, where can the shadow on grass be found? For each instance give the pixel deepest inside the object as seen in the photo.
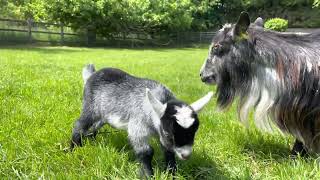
(276, 151)
(199, 166)
(263, 147)
(267, 150)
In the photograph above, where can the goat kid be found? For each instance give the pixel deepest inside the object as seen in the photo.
(144, 108)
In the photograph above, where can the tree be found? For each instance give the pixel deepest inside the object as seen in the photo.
(23, 9)
(112, 16)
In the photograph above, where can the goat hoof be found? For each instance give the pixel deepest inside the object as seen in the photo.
(146, 174)
(298, 149)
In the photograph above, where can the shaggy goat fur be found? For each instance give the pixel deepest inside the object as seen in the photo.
(275, 73)
(143, 108)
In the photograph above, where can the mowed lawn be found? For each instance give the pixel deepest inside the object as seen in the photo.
(41, 93)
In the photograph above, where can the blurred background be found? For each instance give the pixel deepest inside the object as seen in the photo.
(140, 23)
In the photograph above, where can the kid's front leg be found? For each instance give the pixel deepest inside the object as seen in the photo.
(170, 160)
(145, 158)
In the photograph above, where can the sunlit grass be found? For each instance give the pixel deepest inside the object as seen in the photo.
(41, 92)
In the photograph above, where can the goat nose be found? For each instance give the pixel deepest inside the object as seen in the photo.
(204, 79)
(185, 156)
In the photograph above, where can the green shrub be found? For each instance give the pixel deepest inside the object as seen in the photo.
(277, 24)
(316, 3)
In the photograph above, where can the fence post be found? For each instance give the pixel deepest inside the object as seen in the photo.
(91, 35)
(61, 34)
(132, 43)
(29, 23)
(178, 40)
(200, 37)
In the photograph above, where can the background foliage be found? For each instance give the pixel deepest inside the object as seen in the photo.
(23, 9)
(277, 24)
(109, 17)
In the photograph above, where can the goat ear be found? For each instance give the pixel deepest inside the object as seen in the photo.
(259, 22)
(157, 106)
(199, 104)
(242, 25)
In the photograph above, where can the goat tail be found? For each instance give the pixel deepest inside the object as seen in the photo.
(87, 71)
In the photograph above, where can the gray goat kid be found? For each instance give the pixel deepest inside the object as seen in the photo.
(144, 108)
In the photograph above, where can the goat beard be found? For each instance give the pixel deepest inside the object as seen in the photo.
(234, 81)
(295, 109)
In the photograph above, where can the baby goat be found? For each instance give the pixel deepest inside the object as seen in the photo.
(144, 108)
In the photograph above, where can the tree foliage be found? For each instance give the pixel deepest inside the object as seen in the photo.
(23, 9)
(109, 17)
(276, 24)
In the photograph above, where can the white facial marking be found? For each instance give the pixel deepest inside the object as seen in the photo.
(183, 152)
(183, 116)
(225, 26)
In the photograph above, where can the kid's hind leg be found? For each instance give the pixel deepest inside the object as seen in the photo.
(95, 127)
(144, 153)
(80, 129)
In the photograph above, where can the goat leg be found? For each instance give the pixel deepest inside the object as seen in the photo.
(299, 148)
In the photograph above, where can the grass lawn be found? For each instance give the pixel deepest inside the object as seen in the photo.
(41, 92)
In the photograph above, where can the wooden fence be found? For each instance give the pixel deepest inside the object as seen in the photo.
(29, 31)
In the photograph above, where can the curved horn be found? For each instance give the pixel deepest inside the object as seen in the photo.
(199, 104)
(259, 22)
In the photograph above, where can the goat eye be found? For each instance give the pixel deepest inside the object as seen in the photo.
(216, 46)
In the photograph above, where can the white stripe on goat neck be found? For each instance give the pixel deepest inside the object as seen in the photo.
(184, 117)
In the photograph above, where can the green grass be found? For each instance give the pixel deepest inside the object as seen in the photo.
(41, 92)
